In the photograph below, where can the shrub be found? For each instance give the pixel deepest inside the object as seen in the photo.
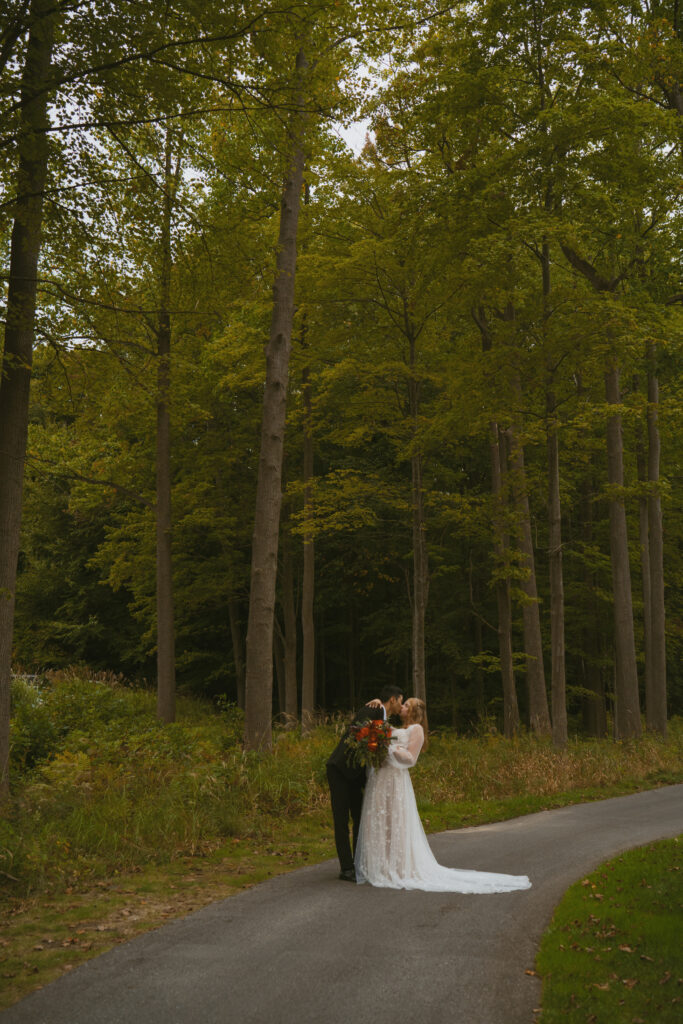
(48, 713)
(110, 789)
(34, 734)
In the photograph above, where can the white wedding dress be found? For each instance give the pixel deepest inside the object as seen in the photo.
(392, 850)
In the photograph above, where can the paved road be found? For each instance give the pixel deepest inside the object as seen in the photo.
(305, 948)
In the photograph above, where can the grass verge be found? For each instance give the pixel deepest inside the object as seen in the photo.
(117, 824)
(612, 954)
(42, 937)
(45, 935)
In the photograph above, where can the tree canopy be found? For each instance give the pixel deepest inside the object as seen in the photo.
(481, 387)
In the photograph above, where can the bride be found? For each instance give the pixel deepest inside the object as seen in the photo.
(392, 850)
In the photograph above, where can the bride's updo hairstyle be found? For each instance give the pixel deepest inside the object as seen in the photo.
(417, 715)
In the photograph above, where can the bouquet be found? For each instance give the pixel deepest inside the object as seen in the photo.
(367, 744)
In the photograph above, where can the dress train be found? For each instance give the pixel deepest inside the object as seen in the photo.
(393, 851)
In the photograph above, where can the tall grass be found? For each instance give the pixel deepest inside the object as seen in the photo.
(492, 768)
(100, 788)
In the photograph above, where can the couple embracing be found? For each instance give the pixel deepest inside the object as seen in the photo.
(389, 842)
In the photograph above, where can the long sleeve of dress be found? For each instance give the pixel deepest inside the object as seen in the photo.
(406, 756)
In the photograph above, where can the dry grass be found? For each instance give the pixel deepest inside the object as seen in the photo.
(494, 768)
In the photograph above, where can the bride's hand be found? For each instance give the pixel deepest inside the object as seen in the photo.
(374, 703)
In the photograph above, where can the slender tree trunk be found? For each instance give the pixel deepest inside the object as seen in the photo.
(420, 558)
(259, 674)
(351, 650)
(15, 372)
(539, 717)
(308, 583)
(595, 709)
(500, 541)
(558, 682)
(656, 698)
(627, 710)
(644, 543)
(164, 564)
(500, 547)
(279, 661)
(480, 702)
(558, 687)
(237, 647)
(420, 581)
(321, 660)
(291, 705)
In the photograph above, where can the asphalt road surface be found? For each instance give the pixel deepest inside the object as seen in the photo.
(306, 948)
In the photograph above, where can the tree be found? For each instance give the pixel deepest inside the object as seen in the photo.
(259, 665)
(308, 581)
(15, 372)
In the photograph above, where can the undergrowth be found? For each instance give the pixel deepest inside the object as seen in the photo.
(100, 787)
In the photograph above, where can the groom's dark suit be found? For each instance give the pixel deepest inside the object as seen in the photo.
(346, 790)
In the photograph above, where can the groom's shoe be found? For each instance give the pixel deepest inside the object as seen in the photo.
(348, 876)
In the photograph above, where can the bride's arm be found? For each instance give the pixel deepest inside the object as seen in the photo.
(406, 757)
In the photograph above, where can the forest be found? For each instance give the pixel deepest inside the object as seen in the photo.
(284, 418)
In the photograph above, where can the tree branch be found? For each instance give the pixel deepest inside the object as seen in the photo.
(73, 475)
(600, 283)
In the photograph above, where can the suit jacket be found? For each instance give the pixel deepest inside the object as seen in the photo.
(338, 757)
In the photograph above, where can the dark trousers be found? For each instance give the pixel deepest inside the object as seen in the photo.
(346, 796)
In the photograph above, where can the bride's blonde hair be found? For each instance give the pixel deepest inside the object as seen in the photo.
(418, 716)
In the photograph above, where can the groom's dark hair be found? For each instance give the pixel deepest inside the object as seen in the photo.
(387, 692)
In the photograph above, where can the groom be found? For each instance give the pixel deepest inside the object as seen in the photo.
(347, 781)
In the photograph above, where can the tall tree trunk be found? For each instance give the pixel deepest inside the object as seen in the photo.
(644, 544)
(321, 662)
(308, 582)
(539, 717)
(237, 647)
(420, 558)
(351, 652)
(558, 686)
(500, 542)
(656, 698)
(164, 565)
(279, 661)
(594, 707)
(420, 581)
(479, 695)
(501, 549)
(627, 710)
(259, 674)
(558, 682)
(291, 705)
(15, 373)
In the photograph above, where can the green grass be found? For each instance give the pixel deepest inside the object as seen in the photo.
(110, 810)
(99, 786)
(613, 953)
(42, 937)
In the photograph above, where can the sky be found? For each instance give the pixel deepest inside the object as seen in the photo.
(354, 135)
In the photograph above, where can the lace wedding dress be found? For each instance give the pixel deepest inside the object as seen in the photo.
(392, 850)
